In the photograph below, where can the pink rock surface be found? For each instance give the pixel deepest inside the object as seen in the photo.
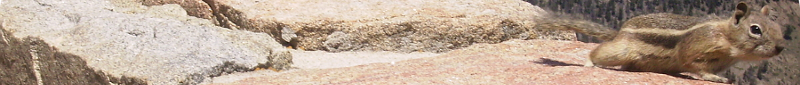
(537, 62)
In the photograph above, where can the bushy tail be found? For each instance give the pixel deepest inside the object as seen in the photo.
(581, 26)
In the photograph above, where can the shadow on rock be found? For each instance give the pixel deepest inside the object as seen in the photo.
(551, 62)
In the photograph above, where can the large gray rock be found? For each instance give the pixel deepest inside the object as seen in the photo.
(159, 44)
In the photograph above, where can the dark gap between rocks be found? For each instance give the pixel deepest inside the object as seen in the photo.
(226, 67)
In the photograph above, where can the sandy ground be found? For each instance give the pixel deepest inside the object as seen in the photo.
(305, 60)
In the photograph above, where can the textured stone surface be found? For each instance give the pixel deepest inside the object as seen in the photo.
(197, 8)
(158, 44)
(305, 60)
(378, 25)
(527, 62)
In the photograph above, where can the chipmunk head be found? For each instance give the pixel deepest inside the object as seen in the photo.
(759, 37)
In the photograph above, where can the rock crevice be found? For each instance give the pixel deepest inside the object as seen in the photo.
(374, 25)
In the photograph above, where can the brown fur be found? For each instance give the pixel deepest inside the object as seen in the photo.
(671, 44)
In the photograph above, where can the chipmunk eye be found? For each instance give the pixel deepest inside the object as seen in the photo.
(755, 29)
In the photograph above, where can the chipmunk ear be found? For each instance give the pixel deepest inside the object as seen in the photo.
(741, 12)
(765, 10)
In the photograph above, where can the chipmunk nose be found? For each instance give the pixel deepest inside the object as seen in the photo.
(778, 49)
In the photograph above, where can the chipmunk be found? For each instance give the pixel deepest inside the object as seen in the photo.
(672, 44)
